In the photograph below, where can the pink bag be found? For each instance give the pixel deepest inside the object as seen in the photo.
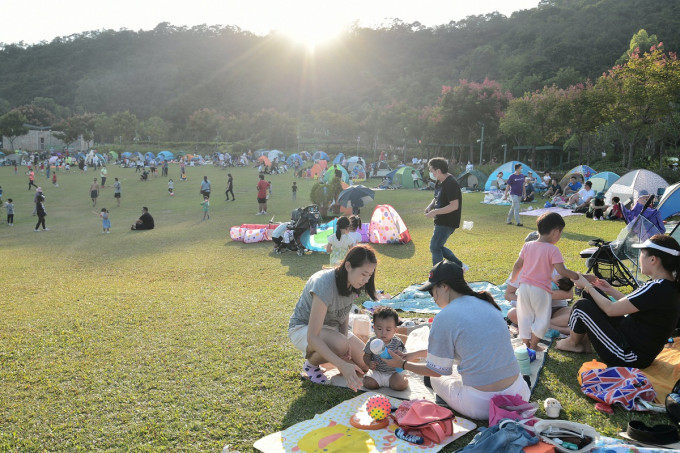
(426, 419)
(512, 407)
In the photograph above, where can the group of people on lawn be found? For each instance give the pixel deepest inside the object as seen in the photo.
(469, 357)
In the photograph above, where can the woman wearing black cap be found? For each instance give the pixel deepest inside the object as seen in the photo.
(653, 310)
(469, 354)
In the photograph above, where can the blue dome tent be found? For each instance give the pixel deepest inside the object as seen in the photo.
(166, 155)
(603, 181)
(320, 155)
(127, 154)
(276, 154)
(292, 158)
(338, 159)
(507, 168)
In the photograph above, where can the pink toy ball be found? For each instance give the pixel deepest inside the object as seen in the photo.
(172, 194)
(378, 407)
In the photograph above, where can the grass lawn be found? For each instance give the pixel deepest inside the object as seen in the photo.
(175, 339)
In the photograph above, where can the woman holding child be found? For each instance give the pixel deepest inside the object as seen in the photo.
(469, 354)
(319, 326)
(653, 310)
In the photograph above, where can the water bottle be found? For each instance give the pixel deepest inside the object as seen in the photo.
(522, 355)
(378, 348)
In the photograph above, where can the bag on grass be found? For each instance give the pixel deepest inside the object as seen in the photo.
(512, 407)
(618, 385)
(426, 419)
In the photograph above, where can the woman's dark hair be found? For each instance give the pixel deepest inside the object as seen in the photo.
(457, 283)
(357, 256)
(343, 223)
(565, 284)
(669, 262)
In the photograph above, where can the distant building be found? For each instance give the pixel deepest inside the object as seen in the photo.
(43, 139)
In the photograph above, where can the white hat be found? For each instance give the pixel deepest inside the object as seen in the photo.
(648, 244)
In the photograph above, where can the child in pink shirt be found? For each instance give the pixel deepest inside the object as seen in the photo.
(536, 262)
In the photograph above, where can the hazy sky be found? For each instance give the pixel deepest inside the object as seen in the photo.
(33, 21)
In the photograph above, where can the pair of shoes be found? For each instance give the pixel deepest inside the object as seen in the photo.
(264, 212)
(260, 213)
(465, 267)
(508, 223)
(520, 224)
(596, 219)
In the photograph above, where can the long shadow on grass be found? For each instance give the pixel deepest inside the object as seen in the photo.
(317, 399)
(579, 237)
(396, 250)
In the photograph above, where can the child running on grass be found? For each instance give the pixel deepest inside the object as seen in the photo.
(206, 208)
(10, 212)
(534, 300)
(385, 321)
(340, 242)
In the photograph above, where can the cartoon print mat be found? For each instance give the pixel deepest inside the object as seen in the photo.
(331, 432)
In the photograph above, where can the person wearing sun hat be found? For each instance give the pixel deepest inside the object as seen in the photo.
(469, 356)
(652, 310)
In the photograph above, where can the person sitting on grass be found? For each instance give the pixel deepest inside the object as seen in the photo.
(528, 192)
(385, 321)
(582, 198)
(614, 212)
(632, 330)
(145, 221)
(554, 189)
(319, 326)
(573, 187)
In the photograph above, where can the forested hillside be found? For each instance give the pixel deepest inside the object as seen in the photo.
(173, 75)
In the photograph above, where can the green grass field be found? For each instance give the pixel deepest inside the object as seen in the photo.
(175, 339)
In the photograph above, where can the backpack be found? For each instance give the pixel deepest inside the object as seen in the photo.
(426, 419)
(618, 385)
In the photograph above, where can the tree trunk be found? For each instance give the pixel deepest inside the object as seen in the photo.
(631, 150)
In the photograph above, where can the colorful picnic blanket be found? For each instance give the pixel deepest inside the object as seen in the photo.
(331, 432)
(410, 299)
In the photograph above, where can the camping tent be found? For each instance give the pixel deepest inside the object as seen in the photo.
(382, 170)
(316, 171)
(357, 172)
(264, 160)
(339, 158)
(403, 178)
(387, 227)
(630, 185)
(507, 169)
(166, 155)
(355, 160)
(330, 173)
(305, 155)
(582, 172)
(113, 155)
(149, 156)
(472, 179)
(276, 154)
(292, 158)
(670, 201)
(603, 181)
(320, 155)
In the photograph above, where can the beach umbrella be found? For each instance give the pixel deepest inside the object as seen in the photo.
(355, 196)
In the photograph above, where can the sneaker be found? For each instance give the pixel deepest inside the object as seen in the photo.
(520, 224)
(46, 229)
(36, 230)
(596, 219)
(465, 267)
(508, 223)
(264, 212)
(259, 213)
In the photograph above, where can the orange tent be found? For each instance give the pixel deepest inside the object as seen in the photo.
(316, 170)
(265, 160)
(323, 164)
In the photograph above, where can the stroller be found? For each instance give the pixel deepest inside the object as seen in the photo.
(607, 260)
(302, 219)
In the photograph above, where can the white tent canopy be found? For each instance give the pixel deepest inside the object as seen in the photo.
(629, 185)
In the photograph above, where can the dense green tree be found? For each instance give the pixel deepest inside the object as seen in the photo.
(74, 127)
(12, 125)
(125, 125)
(640, 42)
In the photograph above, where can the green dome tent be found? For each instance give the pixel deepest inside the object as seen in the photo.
(330, 173)
(473, 179)
(403, 178)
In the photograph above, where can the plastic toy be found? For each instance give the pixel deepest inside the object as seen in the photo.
(378, 407)
(378, 348)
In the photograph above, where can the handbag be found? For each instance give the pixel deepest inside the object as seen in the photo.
(512, 407)
(426, 419)
(618, 385)
(557, 432)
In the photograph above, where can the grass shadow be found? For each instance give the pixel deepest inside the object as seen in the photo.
(401, 251)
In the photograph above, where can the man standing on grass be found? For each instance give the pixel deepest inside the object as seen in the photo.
(445, 209)
(515, 186)
(205, 187)
(262, 187)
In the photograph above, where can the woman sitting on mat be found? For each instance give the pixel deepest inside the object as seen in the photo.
(653, 310)
(469, 354)
(319, 326)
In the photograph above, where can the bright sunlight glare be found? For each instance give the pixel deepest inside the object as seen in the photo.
(312, 25)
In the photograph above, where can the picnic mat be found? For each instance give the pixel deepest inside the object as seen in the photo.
(410, 299)
(561, 211)
(331, 432)
(664, 372)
